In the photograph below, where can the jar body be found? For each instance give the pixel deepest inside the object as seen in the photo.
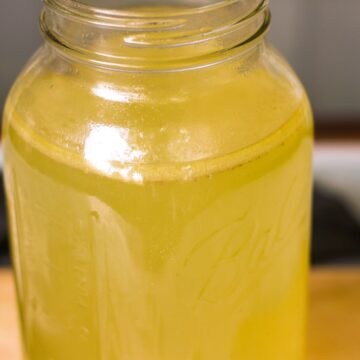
(160, 215)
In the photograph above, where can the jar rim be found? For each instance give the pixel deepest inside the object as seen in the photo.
(81, 9)
(154, 37)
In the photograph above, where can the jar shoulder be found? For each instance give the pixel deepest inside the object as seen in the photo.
(163, 116)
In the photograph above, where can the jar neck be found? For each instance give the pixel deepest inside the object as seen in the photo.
(156, 37)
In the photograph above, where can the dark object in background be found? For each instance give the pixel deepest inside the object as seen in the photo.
(4, 245)
(336, 233)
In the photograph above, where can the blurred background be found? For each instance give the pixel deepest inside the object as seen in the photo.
(320, 40)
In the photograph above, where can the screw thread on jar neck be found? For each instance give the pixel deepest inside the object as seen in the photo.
(154, 37)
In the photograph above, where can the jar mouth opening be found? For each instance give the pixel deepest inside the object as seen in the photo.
(154, 36)
(86, 10)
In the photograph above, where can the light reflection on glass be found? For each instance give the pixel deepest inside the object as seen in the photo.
(107, 149)
(107, 92)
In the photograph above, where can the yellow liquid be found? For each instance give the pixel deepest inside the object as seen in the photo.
(180, 255)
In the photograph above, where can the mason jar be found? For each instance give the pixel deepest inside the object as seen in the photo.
(158, 179)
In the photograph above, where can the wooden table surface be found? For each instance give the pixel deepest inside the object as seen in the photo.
(334, 326)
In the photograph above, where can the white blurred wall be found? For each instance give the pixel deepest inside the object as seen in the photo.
(321, 39)
(19, 37)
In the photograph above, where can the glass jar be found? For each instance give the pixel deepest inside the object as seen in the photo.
(158, 178)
